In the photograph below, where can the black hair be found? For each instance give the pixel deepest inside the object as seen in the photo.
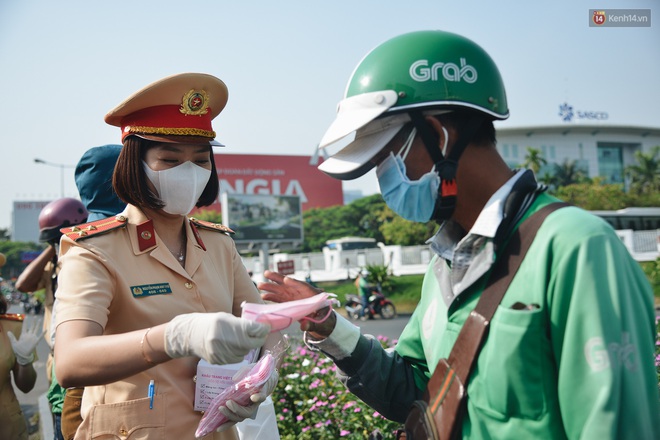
(130, 181)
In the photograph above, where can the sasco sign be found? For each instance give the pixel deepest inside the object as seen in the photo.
(277, 175)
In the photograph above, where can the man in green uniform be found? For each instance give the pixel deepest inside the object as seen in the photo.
(569, 352)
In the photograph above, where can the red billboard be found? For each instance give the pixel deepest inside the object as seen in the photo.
(277, 175)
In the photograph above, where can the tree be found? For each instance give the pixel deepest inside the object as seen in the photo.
(13, 250)
(594, 195)
(645, 175)
(208, 215)
(397, 230)
(359, 218)
(568, 173)
(534, 160)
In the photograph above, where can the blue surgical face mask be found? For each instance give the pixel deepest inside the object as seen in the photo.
(413, 200)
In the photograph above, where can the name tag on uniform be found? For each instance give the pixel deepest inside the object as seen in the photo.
(151, 289)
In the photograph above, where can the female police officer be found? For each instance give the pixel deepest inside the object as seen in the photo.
(143, 295)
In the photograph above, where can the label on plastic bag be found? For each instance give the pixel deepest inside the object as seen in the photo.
(212, 379)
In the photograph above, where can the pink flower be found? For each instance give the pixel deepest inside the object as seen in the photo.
(344, 433)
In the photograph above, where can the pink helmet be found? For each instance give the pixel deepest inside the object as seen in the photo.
(59, 214)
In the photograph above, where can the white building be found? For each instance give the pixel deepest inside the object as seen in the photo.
(600, 150)
(25, 220)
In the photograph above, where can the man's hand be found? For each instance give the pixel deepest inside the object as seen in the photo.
(283, 289)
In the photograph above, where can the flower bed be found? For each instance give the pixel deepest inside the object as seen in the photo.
(311, 403)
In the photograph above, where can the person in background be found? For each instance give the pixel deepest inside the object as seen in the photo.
(570, 349)
(362, 286)
(42, 274)
(144, 295)
(17, 354)
(93, 176)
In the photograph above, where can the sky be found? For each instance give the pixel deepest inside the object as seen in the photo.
(64, 65)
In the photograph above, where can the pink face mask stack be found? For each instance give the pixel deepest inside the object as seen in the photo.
(281, 315)
(240, 393)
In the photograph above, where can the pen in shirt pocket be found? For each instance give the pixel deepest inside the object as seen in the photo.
(151, 394)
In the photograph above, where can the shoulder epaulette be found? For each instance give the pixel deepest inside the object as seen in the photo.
(211, 226)
(91, 229)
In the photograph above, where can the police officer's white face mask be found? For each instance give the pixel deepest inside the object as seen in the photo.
(179, 187)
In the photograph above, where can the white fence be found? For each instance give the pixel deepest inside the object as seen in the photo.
(334, 265)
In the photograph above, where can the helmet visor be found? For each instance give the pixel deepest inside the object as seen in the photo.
(357, 111)
(353, 160)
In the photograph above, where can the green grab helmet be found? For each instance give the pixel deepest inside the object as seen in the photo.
(433, 71)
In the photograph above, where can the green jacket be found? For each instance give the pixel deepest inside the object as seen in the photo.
(578, 365)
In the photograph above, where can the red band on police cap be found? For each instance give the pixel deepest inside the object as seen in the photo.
(167, 120)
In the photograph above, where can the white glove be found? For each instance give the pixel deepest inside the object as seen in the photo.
(218, 338)
(236, 412)
(25, 345)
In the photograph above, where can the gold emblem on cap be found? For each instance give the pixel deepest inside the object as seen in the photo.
(195, 102)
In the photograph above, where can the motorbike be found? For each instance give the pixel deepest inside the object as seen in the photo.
(378, 305)
(30, 304)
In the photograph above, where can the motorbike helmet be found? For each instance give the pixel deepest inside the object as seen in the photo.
(428, 71)
(59, 214)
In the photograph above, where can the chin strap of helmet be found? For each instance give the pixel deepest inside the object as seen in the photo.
(445, 166)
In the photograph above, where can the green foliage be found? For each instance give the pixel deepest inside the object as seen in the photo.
(594, 195)
(380, 275)
(652, 271)
(311, 403)
(359, 218)
(208, 215)
(365, 217)
(405, 290)
(534, 160)
(645, 175)
(397, 230)
(568, 173)
(13, 251)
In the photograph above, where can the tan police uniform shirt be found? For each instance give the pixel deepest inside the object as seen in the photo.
(126, 280)
(46, 282)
